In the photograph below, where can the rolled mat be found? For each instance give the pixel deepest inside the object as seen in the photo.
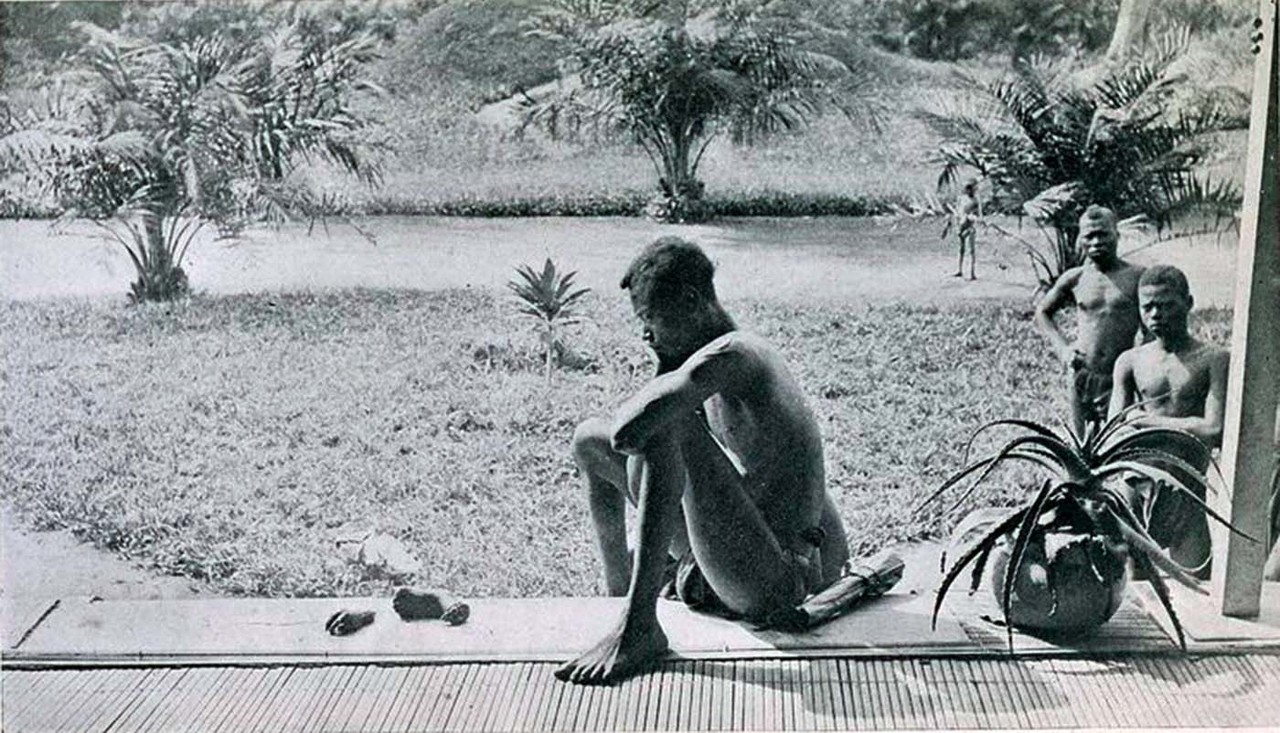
(862, 578)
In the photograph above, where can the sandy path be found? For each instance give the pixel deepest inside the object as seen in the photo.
(858, 259)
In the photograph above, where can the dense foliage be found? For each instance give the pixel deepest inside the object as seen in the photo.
(950, 30)
(203, 119)
(673, 79)
(1053, 138)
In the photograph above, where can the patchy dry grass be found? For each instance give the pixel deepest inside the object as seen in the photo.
(234, 439)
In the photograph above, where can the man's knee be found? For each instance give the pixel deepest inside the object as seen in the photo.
(591, 442)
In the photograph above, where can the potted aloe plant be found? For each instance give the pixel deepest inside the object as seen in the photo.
(1060, 561)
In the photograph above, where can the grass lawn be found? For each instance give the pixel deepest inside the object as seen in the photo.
(235, 438)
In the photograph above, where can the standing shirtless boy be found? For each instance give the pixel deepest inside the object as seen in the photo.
(1181, 383)
(722, 458)
(1105, 292)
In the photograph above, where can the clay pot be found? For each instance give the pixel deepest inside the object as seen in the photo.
(1069, 582)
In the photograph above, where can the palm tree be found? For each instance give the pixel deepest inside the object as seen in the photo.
(153, 140)
(1052, 142)
(674, 76)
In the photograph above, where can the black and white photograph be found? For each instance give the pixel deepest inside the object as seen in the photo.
(639, 365)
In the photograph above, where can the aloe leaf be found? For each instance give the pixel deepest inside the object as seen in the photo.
(1020, 544)
(1017, 455)
(1157, 474)
(1115, 422)
(1175, 438)
(1180, 439)
(1162, 592)
(1025, 424)
(955, 478)
(1133, 533)
(1008, 452)
(981, 547)
(1156, 456)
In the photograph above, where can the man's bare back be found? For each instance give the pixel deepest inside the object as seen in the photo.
(1105, 292)
(722, 458)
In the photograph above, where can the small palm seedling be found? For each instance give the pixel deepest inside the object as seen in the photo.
(550, 297)
(1060, 560)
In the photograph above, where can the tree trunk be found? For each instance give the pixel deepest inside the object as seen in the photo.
(1131, 24)
(159, 279)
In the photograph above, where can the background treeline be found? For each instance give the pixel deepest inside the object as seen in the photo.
(447, 66)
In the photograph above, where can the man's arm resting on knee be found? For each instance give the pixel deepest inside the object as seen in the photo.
(668, 397)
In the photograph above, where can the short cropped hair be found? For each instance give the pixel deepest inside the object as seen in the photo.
(665, 268)
(1099, 215)
(1167, 276)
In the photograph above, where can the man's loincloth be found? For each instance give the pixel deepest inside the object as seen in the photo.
(1091, 393)
(686, 583)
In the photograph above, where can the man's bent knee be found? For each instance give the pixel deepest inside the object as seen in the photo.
(591, 442)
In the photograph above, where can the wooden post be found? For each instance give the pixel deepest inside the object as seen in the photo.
(1253, 385)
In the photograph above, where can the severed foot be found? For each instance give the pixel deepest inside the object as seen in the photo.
(624, 652)
(419, 604)
(344, 623)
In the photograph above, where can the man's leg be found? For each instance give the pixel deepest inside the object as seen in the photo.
(972, 238)
(639, 641)
(1077, 398)
(606, 473)
(736, 550)
(1178, 524)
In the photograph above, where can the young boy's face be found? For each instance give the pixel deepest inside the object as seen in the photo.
(1164, 310)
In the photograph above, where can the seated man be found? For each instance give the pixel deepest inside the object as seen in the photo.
(722, 458)
(1182, 384)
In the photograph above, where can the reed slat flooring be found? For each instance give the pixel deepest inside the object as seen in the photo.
(769, 694)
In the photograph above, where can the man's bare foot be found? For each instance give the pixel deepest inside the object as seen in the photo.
(622, 653)
(415, 604)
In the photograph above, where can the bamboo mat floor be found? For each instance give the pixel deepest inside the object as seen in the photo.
(245, 665)
(724, 695)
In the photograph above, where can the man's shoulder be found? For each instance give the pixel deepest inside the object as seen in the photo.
(1131, 270)
(1211, 354)
(739, 342)
(1134, 354)
(1070, 276)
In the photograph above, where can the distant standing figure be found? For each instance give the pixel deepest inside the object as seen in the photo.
(965, 216)
(1105, 292)
(1181, 383)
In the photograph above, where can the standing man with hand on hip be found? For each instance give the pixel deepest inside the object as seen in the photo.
(1104, 290)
